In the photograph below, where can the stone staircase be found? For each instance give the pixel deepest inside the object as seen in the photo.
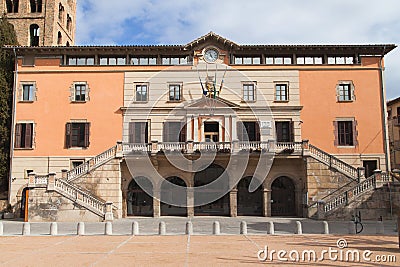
(92, 163)
(344, 197)
(75, 193)
(334, 163)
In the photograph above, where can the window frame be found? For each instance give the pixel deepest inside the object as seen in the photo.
(69, 135)
(141, 85)
(351, 133)
(73, 91)
(350, 93)
(132, 127)
(180, 90)
(244, 96)
(22, 141)
(281, 84)
(22, 92)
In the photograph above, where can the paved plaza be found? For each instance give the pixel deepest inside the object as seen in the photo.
(200, 248)
(202, 226)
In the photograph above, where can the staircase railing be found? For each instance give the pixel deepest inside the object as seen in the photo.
(332, 203)
(333, 162)
(75, 193)
(91, 164)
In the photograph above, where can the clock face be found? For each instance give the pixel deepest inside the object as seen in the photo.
(211, 55)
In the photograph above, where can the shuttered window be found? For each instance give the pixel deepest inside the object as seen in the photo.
(284, 131)
(345, 133)
(248, 131)
(23, 135)
(138, 132)
(174, 132)
(77, 134)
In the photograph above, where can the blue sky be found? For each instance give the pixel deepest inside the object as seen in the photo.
(121, 22)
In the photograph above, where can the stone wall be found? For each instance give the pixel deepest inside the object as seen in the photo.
(372, 205)
(321, 181)
(104, 182)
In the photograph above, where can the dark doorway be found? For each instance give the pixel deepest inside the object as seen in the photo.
(283, 201)
(370, 166)
(211, 131)
(249, 203)
(171, 194)
(139, 203)
(24, 204)
(219, 207)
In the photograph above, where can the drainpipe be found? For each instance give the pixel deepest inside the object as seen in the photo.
(384, 113)
(14, 106)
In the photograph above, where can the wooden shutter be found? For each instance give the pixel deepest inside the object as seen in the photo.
(257, 131)
(279, 132)
(131, 134)
(87, 133)
(239, 130)
(18, 130)
(68, 135)
(146, 132)
(182, 134)
(291, 131)
(165, 131)
(355, 133)
(336, 133)
(28, 135)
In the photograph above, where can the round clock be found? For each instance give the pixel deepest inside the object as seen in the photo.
(211, 55)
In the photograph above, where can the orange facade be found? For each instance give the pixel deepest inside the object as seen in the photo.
(53, 108)
(321, 108)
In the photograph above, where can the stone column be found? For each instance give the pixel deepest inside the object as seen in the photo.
(109, 217)
(64, 174)
(154, 146)
(228, 138)
(378, 178)
(233, 202)
(119, 151)
(196, 129)
(320, 210)
(51, 182)
(156, 204)
(361, 174)
(267, 203)
(31, 178)
(189, 146)
(190, 201)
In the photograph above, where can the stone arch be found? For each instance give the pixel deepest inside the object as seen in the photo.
(170, 194)
(249, 203)
(219, 207)
(138, 202)
(283, 196)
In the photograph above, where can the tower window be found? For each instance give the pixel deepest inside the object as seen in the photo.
(36, 6)
(61, 12)
(12, 6)
(59, 38)
(35, 33)
(69, 23)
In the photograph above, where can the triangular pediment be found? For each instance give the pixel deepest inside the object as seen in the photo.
(213, 39)
(206, 102)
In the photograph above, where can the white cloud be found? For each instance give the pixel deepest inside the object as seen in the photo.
(245, 22)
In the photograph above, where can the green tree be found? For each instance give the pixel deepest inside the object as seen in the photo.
(7, 37)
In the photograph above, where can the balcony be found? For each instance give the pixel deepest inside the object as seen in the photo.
(190, 147)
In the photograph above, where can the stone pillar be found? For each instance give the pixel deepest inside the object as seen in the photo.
(154, 146)
(156, 204)
(31, 179)
(234, 132)
(228, 138)
(320, 209)
(196, 129)
(189, 146)
(109, 217)
(233, 202)
(51, 182)
(361, 174)
(235, 146)
(267, 203)
(378, 178)
(119, 151)
(190, 201)
(64, 174)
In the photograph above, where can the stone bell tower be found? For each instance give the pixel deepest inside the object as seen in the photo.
(42, 22)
